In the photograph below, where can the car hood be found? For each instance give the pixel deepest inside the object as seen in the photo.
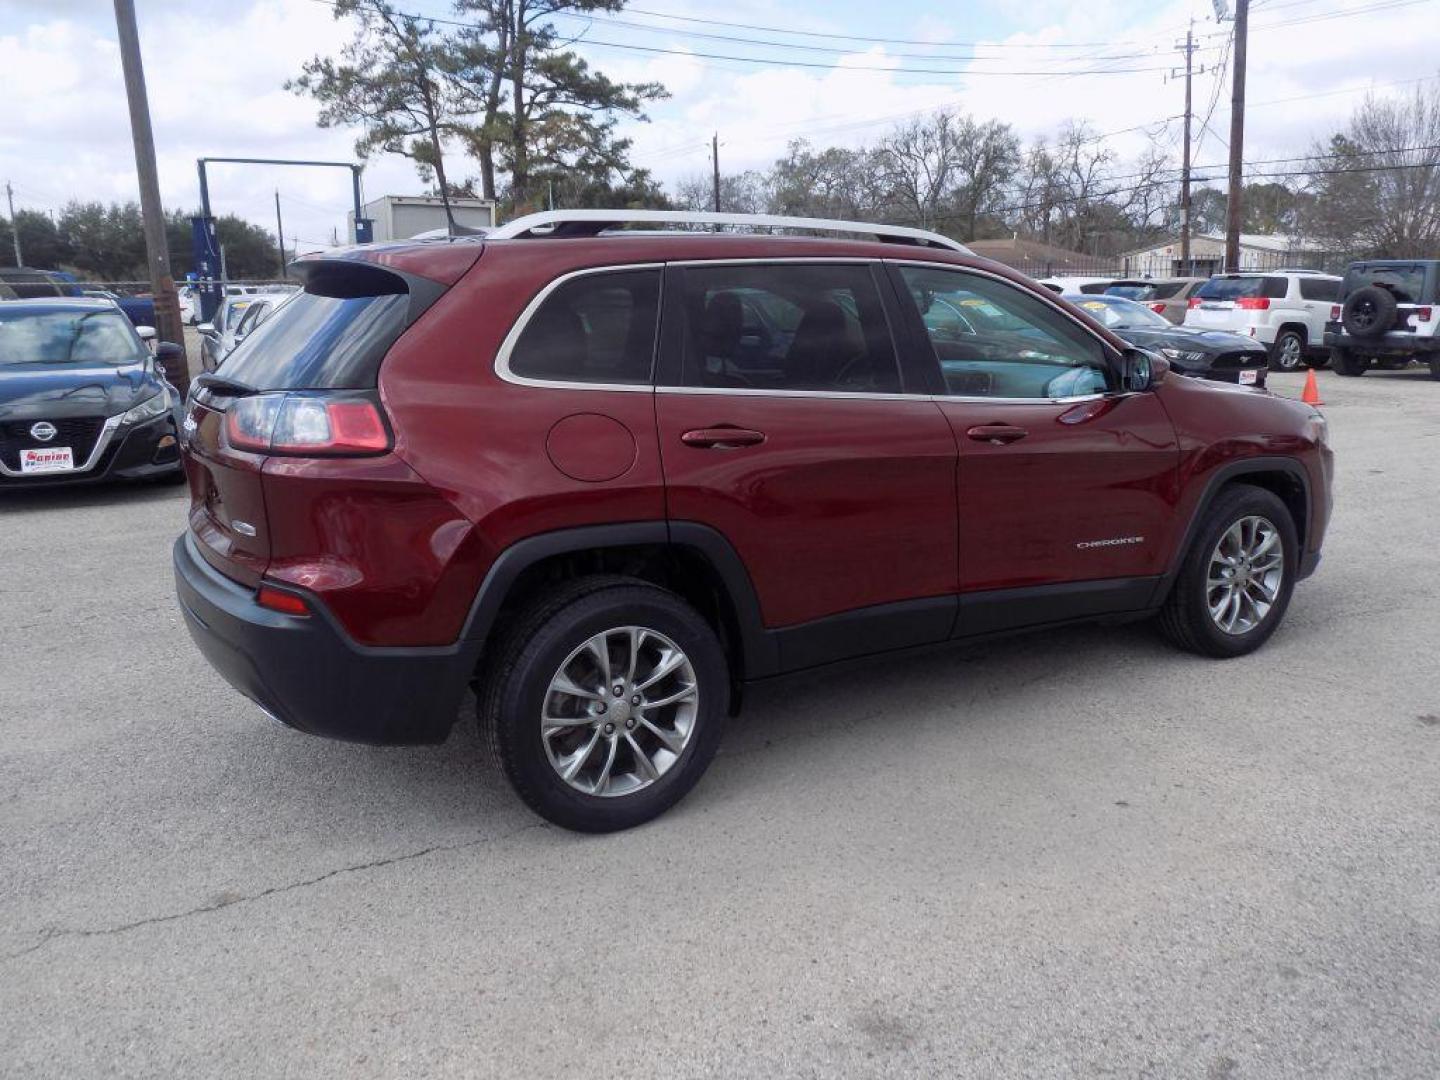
(1190, 339)
(55, 391)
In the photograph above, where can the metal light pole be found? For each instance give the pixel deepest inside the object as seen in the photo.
(162, 283)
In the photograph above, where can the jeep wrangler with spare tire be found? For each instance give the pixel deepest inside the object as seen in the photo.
(1388, 316)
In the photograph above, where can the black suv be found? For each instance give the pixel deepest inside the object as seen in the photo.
(1388, 314)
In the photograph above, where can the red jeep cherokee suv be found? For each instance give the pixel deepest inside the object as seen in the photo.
(607, 477)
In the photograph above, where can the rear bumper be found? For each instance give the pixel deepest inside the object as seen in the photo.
(1392, 344)
(308, 674)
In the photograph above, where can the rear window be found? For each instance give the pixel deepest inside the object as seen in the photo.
(1407, 282)
(1233, 288)
(331, 336)
(1319, 289)
(1165, 290)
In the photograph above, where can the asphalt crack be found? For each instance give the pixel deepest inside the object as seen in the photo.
(228, 900)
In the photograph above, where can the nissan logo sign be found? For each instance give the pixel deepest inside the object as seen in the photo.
(44, 431)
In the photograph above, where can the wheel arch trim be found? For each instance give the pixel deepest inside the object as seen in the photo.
(1225, 474)
(759, 656)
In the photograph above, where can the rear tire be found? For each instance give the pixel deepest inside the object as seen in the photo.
(1287, 353)
(1345, 362)
(1234, 527)
(652, 755)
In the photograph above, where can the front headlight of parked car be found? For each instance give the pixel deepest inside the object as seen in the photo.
(1318, 428)
(1172, 353)
(148, 409)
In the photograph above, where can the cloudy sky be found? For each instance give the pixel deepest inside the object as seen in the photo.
(844, 72)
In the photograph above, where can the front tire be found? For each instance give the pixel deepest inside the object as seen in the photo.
(1345, 362)
(605, 703)
(1288, 351)
(1237, 576)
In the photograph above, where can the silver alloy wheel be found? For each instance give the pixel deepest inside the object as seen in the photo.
(1246, 569)
(620, 711)
(1290, 352)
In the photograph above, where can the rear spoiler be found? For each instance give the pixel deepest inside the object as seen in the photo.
(444, 263)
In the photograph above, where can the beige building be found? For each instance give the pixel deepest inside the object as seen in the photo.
(1258, 251)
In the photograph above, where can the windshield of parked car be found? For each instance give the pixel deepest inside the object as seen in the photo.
(1407, 282)
(1117, 313)
(68, 337)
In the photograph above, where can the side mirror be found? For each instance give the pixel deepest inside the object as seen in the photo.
(147, 333)
(206, 329)
(1143, 370)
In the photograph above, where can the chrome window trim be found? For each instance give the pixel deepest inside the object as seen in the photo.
(102, 440)
(507, 347)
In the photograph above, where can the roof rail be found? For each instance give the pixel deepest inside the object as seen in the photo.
(561, 223)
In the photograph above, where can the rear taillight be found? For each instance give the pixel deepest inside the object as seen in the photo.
(1194, 301)
(307, 425)
(1424, 314)
(1158, 308)
(1334, 312)
(1253, 303)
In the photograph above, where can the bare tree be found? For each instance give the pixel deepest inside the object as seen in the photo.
(1376, 184)
(740, 193)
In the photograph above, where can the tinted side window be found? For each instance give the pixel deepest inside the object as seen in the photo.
(992, 339)
(1319, 289)
(787, 327)
(1275, 288)
(595, 328)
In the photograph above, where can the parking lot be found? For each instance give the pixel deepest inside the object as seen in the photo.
(1080, 853)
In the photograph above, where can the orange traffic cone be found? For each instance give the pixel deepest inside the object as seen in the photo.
(1311, 394)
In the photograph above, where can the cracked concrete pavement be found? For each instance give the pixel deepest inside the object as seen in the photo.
(1072, 854)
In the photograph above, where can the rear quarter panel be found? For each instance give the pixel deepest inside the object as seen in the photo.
(482, 441)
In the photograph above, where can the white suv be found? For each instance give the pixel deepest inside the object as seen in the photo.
(1284, 310)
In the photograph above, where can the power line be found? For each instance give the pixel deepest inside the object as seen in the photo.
(880, 40)
(608, 21)
(787, 63)
(775, 62)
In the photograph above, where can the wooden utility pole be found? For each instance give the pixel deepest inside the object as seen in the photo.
(279, 232)
(1185, 167)
(162, 283)
(1233, 208)
(715, 166)
(14, 225)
